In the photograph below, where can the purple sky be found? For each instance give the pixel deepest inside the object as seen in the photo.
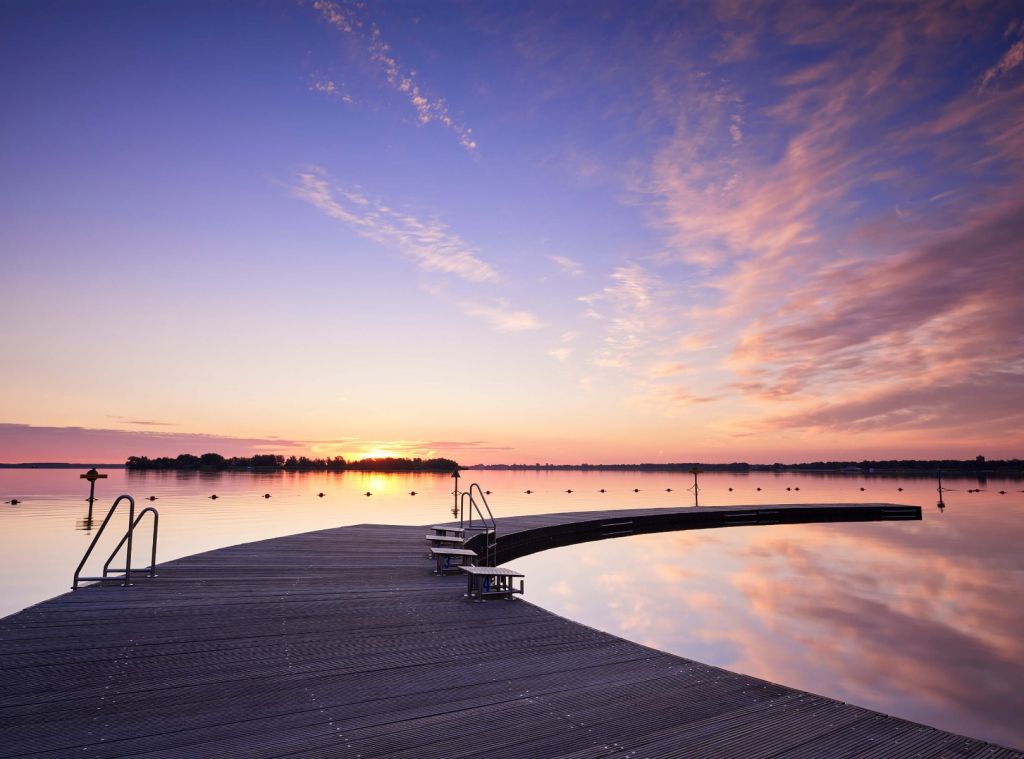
(512, 232)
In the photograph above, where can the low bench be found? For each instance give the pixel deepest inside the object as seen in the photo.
(447, 529)
(445, 541)
(491, 582)
(445, 556)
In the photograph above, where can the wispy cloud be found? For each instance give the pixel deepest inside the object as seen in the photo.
(430, 244)
(852, 297)
(667, 399)
(330, 88)
(502, 315)
(347, 18)
(1010, 60)
(568, 265)
(25, 443)
(670, 369)
(627, 307)
(929, 338)
(143, 422)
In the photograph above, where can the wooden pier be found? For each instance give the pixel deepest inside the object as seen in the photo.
(344, 643)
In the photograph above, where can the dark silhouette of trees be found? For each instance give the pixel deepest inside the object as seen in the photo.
(267, 461)
(212, 461)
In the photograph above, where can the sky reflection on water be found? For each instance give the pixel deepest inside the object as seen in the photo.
(919, 619)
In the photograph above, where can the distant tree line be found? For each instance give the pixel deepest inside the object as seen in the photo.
(214, 462)
(978, 465)
(679, 467)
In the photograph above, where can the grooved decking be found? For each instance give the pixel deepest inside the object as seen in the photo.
(342, 643)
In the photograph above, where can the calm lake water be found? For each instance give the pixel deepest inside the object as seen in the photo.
(918, 619)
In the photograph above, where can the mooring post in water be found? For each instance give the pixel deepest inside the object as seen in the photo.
(455, 506)
(92, 475)
(696, 488)
(941, 504)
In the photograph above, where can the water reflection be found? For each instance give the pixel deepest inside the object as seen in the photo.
(921, 620)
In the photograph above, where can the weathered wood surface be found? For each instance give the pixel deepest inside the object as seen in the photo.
(343, 643)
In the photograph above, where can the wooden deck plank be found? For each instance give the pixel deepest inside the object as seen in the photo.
(344, 643)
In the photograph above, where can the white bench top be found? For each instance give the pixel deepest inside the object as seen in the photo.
(492, 571)
(445, 538)
(452, 552)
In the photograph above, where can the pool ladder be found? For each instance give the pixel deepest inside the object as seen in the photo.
(126, 570)
(469, 503)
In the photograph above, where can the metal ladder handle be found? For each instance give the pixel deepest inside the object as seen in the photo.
(128, 537)
(492, 548)
(490, 526)
(484, 499)
(99, 532)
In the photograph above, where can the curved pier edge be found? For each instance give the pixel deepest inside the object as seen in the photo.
(521, 536)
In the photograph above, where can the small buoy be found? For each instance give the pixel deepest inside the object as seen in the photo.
(900, 489)
(14, 502)
(759, 488)
(730, 490)
(569, 491)
(862, 488)
(412, 492)
(528, 492)
(789, 488)
(796, 488)
(320, 495)
(602, 490)
(266, 495)
(151, 498)
(214, 496)
(668, 490)
(636, 490)
(367, 493)
(1002, 492)
(487, 492)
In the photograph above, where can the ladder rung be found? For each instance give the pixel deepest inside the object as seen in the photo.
(108, 578)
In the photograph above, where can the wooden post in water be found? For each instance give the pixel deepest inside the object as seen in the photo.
(941, 504)
(92, 475)
(455, 506)
(696, 488)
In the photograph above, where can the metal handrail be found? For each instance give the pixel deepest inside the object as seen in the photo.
(482, 498)
(127, 537)
(489, 525)
(99, 532)
(133, 522)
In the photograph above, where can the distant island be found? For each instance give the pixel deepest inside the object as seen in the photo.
(60, 465)
(978, 466)
(214, 462)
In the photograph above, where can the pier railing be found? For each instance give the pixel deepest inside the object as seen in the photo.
(469, 503)
(126, 542)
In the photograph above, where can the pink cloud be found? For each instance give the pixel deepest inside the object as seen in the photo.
(27, 443)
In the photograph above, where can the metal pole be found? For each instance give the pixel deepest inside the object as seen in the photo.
(128, 555)
(696, 488)
(455, 504)
(938, 476)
